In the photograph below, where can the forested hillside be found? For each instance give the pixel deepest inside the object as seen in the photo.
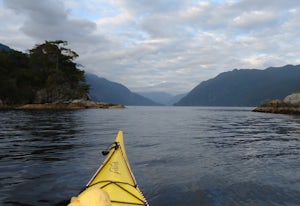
(245, 87)
(46, 74)
(103, 90)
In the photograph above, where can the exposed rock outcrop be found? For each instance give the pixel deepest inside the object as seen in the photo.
(61, 93)
(293, 99)
(290, 105)
(75, 104)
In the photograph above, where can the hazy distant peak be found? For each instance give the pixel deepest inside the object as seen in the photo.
(104, 90)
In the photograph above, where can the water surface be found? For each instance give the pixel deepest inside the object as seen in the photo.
(179, 155)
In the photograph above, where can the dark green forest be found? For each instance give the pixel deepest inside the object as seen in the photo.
(46, 74)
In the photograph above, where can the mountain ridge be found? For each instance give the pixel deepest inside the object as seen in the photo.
(244, 87)
(104, 90)
(163, 98)
(4, 48)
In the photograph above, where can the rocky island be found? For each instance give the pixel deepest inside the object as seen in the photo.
(290, 105)
(44, 78)
(75, 104)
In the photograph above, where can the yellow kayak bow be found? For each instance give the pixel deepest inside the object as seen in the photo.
(116, 178)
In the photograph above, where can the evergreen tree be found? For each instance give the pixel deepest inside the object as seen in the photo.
(47, 74)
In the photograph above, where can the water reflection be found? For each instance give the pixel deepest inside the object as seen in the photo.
(250, 138)
(214, 191)
(180, 156)
(38, 133)
(39, 144)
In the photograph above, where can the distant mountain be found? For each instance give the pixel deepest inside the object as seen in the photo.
(176, 98)
(163, 98)
(245, 87)
(103, 90)
(4, 48)
(160, 97)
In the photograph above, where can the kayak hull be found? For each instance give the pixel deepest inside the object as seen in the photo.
(116, 178)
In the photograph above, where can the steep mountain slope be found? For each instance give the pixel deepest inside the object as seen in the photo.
(4, 47)
(160, 97)
(246, 87)
(163, 98)
(103, 90)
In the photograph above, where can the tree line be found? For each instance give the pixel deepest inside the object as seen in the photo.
(46, 74)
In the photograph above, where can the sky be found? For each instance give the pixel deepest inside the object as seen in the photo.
(159, 45)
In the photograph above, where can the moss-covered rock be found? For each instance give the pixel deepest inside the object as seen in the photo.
(290, 105)
(293, 99)
(75, 104)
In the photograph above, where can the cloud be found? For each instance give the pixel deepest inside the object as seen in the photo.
(255, 19)
(44, 20)
(169, 45)
(275, 5)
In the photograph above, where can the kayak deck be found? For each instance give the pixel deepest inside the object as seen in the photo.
(116, 178)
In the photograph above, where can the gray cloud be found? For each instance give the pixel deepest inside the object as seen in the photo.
(49, 20)
(167, 45)
(39, 11)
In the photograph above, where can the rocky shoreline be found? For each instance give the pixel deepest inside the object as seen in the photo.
(290, 105)
(74, 104)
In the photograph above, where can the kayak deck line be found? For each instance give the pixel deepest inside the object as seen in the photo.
(116, 177)
(115, 146)
(108, 182)
(111, 182)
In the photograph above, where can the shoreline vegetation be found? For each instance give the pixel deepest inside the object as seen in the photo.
(290, 105)
(75, 104)
(45, 78)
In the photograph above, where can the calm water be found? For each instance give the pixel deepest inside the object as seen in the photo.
(179, 155)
